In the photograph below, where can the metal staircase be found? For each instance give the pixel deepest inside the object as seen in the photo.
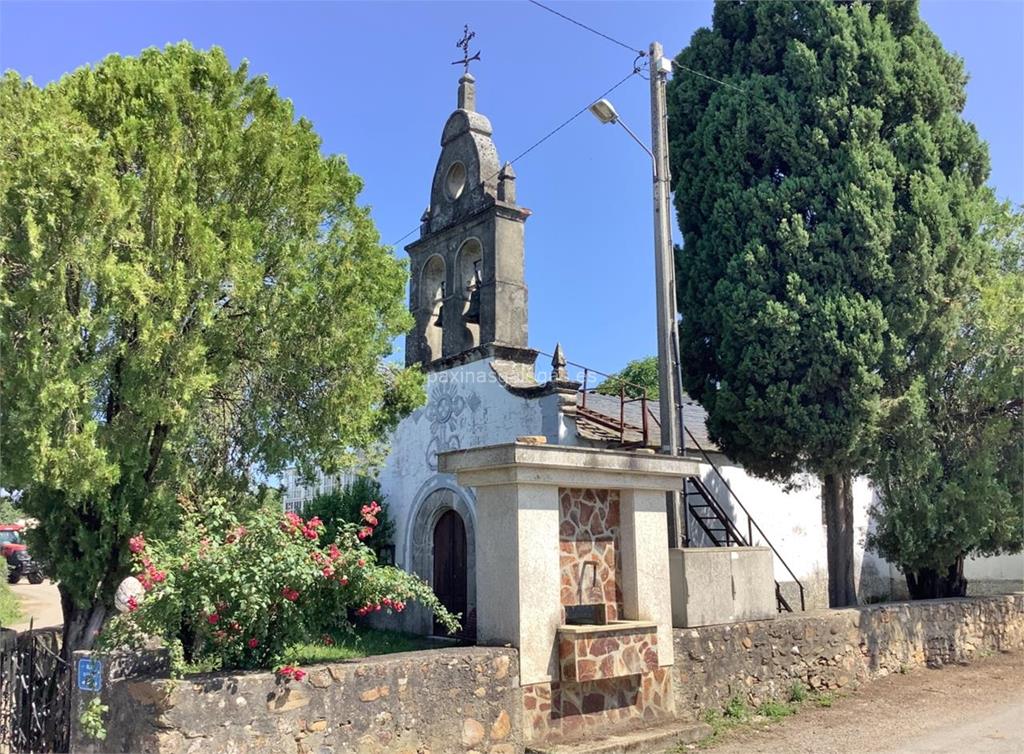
(721, 531)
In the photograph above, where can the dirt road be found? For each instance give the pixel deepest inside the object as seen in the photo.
(39, 602)
(963, 709)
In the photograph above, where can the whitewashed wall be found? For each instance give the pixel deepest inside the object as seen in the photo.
(792, 521)
(466, 407)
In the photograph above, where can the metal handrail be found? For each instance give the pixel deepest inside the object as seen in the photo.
(623, 400)
(751, 524)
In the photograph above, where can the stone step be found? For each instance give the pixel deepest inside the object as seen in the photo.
(649, 740)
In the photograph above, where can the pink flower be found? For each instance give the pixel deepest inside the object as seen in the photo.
(289, 594)
(287, 672)
(137, 544)
(334, 552)
(212, 619)
(253, 643)
(365, 532)
(343, 580)
(361, 563)
(133, 604)
(327, 572)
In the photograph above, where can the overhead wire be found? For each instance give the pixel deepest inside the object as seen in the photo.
(637, 70)
(548, 135)
(640, 52)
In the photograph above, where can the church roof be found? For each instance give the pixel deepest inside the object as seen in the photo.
(607, 407)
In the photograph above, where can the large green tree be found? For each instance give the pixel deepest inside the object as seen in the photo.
(829, 196)
(950, 475)
(190, 296)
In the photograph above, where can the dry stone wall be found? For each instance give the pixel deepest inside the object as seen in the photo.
(469, 699)
(836, 649)
(458, 700)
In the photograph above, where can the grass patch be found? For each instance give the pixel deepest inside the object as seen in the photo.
(10, 609)
(797, 692)
(362, 642)
(776, 710)
(738, 715)
(345, 645)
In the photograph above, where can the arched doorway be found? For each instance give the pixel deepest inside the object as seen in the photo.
(436, 499)
(451, 567)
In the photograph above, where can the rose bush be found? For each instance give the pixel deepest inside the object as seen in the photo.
(232, 590)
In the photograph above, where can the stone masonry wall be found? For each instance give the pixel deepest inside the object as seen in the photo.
(469, 699)
(836, 649)
(589, 555)
(443, 700)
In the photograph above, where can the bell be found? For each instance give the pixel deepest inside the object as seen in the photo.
(473, 312)
(439, 322)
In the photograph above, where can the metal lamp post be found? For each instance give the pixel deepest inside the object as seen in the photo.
(664, 266)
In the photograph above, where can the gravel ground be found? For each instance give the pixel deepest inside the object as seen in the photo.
(969, 709)
(40, 602)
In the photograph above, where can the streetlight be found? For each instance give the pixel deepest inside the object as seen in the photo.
(664, 267)
(605, 112)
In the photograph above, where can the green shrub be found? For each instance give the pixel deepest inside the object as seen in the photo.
(341, 507)
(737, 708)
(775, 710)
(10, 610)
(234, 589)
(797, 692)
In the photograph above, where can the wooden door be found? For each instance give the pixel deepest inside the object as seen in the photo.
(450, 566)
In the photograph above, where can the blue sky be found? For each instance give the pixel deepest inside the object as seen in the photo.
(376, 80)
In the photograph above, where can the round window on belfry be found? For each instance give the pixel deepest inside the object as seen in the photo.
(455, 181)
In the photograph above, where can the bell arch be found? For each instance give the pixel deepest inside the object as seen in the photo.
(469, 278)
(431, 289)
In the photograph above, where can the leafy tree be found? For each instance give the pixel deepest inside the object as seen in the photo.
(636, 376)
(949, 474)
(340, 507)
(829, 196)
(9, 512)
(190, 295)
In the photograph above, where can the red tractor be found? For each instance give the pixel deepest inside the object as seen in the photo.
(15, 552)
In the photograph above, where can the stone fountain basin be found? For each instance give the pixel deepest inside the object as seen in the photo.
(618, 648)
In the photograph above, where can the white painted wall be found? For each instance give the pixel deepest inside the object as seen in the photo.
(466, 407)
(792, 521)
(999, 567)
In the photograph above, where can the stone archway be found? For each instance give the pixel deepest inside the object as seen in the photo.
(427, 514)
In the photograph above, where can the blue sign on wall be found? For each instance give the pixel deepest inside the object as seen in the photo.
(90, 674)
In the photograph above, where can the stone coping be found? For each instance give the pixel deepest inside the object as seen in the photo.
(855, 610)
(565, 466)
(610, 628)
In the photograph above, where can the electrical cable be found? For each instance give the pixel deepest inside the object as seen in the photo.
(682, 67)
(547, 136)
(637, 50)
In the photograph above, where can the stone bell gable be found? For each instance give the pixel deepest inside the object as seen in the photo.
(467, 291)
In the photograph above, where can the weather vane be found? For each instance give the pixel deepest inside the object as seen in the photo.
(463, 44)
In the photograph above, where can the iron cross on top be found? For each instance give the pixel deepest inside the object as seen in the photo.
(463, 44)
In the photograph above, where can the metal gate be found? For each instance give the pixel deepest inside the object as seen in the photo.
(35, 693)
